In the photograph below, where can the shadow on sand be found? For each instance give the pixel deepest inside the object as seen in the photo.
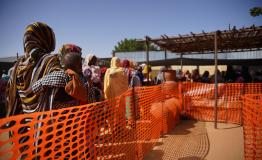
(188, 141)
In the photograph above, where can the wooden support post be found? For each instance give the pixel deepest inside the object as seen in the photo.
(216, 85)
(165, 59)
(181, 61)
(147, 59)
(113, 54)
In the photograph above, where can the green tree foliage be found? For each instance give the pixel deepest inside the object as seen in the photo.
(130, 45)
(256, 11)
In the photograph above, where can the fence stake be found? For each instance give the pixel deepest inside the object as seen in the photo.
(216, 85)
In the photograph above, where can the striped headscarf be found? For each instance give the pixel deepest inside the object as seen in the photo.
(39, 41)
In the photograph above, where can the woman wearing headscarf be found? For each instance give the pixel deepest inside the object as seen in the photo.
(68, 48)
(76, 89)
(127, 67)
(92, 72)
(68, 53)
(39, 42)
(115, 80)
(115, 84)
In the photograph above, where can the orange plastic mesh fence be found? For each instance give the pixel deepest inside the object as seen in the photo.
(126, 127)
(199, 101)
(252, 126)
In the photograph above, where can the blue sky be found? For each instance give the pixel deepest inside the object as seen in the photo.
(97, 26)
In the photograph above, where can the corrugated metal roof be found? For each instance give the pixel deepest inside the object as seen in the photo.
(160, 55)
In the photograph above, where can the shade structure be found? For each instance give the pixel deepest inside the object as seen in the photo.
(233, 40)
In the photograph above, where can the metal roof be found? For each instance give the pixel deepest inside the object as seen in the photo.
(160, 55)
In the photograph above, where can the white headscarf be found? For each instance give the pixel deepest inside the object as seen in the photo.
(87, 60)
(95, 70)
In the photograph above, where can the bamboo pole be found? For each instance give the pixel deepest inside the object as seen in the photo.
(216, 84)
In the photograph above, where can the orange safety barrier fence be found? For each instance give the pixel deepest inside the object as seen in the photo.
(198, 100)
(252, 126)
(126, 127)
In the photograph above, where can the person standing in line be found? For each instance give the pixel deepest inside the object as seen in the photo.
(160, 76)
(92, 72)
(71, 60)
(115, 80)
(148, 78)
(127, 67)
(135, 80)
(205, 77)
(39, 42)
(68, 48)
(3, 84)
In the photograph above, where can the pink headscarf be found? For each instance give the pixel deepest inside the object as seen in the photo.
(126, 63)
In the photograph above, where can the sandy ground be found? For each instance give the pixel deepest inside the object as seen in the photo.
(196, 140)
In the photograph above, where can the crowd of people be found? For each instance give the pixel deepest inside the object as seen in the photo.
(243, 75)
(41, 81)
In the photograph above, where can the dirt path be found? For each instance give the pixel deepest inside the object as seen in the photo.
(192, 140)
